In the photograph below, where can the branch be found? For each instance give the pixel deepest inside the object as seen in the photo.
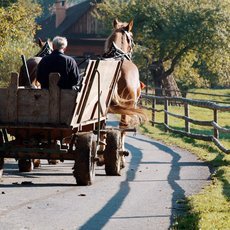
(174, 62)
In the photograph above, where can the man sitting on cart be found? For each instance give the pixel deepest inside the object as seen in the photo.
(58, 62)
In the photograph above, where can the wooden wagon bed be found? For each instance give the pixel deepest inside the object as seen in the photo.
(58, 110)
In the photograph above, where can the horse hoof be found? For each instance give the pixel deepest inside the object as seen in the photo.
(53, 162)
(100, 162)
(36, 163)
(25, 165)
(122, 162)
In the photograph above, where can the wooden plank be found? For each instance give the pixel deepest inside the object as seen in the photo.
(68, 103)
(12, 98)
(3, 105)
(33, 106)
(82, 94)
(54, 98)
(109, 73)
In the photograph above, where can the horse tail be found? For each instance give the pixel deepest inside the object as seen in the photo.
(127, 107)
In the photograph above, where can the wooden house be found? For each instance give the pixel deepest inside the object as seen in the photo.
(83, 32)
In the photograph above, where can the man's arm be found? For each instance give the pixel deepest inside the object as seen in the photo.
(75, 76)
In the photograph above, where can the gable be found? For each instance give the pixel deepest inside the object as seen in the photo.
(78, 21)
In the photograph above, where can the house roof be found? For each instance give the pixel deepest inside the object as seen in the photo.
(74, 13)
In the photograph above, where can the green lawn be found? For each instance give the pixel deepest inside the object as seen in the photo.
(210, 209)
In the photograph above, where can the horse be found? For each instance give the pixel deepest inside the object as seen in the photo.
(25, 165)
(119, 45)
(45, 49)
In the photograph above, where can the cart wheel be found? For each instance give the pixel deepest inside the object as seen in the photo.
(113, 159)
(25, 165)
(1, 158)
(84, 167)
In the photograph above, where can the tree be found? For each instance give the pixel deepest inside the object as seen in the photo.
(170, 32)
(17, 29)
(5, 3)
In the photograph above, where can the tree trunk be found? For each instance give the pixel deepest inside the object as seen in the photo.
(157, 69)
(167, 86)
(170, 87)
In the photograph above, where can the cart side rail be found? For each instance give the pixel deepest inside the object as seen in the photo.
(26, 106)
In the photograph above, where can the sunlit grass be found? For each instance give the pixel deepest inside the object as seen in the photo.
(210, 209)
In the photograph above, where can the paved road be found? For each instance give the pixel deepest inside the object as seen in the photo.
(144, 197)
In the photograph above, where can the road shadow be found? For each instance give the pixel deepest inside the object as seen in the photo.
(98, 221)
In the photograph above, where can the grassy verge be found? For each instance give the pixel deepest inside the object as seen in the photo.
(210, 209)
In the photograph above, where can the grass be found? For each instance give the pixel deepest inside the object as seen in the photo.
(210, 209)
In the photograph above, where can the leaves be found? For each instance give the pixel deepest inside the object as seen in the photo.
(17, 30)
(170, 30)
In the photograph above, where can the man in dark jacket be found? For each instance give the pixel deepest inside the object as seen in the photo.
(58, 62)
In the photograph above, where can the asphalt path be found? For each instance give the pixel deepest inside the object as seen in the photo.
(147, 196)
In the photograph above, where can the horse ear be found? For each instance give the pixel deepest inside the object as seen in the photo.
(40, 42)
(115, 22)
(129, 26)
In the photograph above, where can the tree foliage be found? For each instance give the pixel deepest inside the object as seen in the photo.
(6, 3)
(17, 30)
(185, 37)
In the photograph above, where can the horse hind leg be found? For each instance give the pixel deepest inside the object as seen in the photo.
(123, 149)
(123, 122)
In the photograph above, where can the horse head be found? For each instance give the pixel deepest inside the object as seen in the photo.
(46, 48)
(120, 43)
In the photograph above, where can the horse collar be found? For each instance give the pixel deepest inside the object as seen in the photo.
(117, 53)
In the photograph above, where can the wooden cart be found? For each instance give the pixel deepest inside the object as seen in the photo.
(63, 124)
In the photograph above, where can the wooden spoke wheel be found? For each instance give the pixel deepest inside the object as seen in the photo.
(113, 159)
(1, 158)
(84, 167)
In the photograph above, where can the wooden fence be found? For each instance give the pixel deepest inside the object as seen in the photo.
(186, 103)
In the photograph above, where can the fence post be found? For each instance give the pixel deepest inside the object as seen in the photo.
(186, 113)
(165, 113)
(215, 117)
(153, 111)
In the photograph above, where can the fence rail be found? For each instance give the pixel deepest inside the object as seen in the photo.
(184, 93)
(186, 103)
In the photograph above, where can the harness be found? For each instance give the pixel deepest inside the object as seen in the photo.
(117, 53)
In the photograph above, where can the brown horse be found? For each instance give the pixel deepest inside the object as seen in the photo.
(119, 45)
(32, 63)
(25, 165)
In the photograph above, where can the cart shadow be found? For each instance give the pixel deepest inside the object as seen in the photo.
(11, 170)
(99, 220)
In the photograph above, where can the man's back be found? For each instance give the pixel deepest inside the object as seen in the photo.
(61, 63)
